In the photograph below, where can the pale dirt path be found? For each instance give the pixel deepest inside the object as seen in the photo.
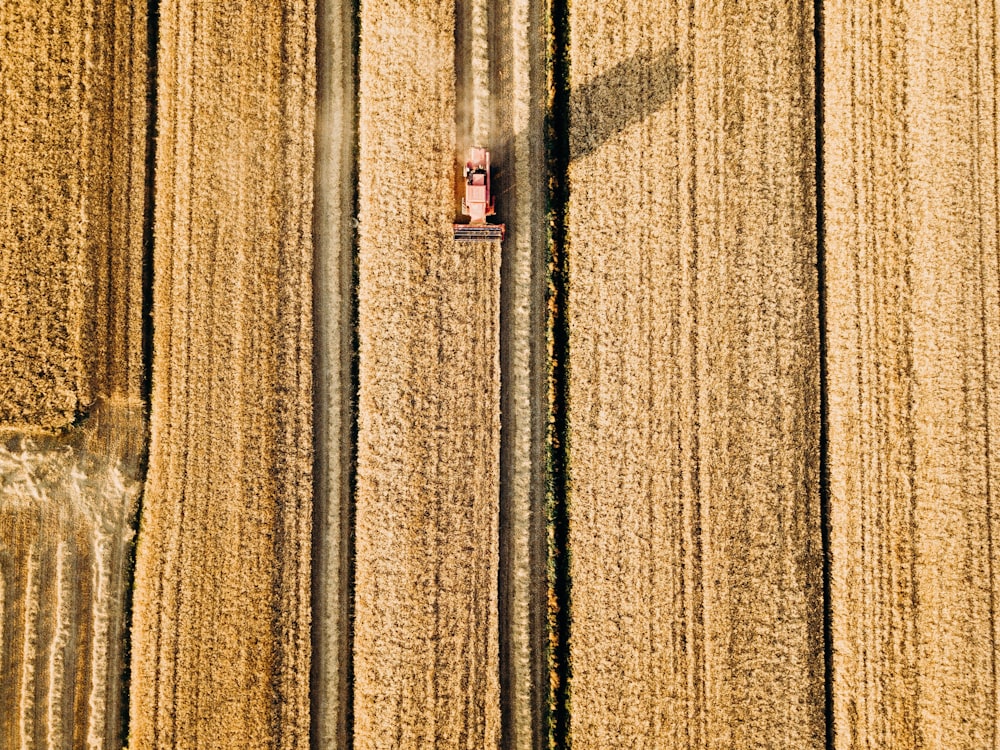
(67, 507)
(72, 191)
(221, 627)
(913, 322)
(426, 625)
(694, 517)
(479, 50)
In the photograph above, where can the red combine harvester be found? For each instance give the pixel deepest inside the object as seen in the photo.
(478, 203)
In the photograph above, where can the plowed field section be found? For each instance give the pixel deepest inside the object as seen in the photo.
(913, 324)
(426, 637)
(694, 518)
(221, 615)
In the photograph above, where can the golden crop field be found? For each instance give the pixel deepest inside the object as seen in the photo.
(696, 558)
(702, 454)
(426, 634)
(913, 319)
(220, 631)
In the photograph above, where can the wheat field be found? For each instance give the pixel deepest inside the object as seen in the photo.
(696, 560)
(221, 623)
(701, 455)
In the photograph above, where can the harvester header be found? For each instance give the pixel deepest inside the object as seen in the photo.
(478, 202)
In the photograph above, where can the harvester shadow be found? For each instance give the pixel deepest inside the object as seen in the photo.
(612, 102)
(620, 98)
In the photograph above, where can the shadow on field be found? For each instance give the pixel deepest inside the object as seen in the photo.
(600, 109)
(619, 98)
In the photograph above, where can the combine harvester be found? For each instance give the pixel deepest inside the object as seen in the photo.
(478, 203)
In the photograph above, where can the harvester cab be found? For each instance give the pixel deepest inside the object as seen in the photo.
(478, 202)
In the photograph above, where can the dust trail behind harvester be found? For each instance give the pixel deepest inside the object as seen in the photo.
(480, 70)
(472, 86)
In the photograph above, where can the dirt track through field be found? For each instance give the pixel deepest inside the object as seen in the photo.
(694, 527)
(517, 36)
(426, 667)
(914, 371)
(335, 351)
(221, 627)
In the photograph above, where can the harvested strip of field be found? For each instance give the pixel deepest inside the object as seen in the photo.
(694, 526)
(221, 626)
(913, 325)
(72, 146)
(333, 309)
(518, 35)
(426, 630)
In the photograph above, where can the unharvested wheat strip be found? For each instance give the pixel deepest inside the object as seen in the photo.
(3, 632)
(914, 350)
(333, 281)
(694, 392)
(426, 635)
(72, 144)
(44, 147)
(221, 611)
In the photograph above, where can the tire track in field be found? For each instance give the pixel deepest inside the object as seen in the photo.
(335, 374)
